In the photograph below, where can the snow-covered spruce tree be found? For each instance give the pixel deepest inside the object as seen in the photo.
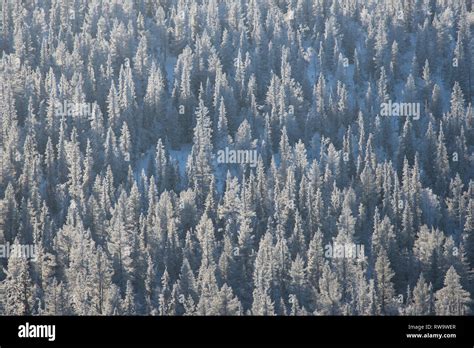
(452, 299)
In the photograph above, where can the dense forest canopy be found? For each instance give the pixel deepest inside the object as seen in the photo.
(205, 157)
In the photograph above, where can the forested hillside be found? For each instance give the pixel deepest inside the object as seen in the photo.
(205, 157)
